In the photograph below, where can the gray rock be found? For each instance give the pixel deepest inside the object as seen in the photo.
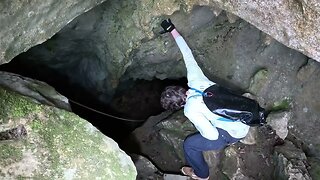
(43, 142)
(290, 162)
(279, 122)
(294, 23)
(250, 138)
(145, 168)
(175, 177)
(127, 45)
(38, 90)
(25, 24)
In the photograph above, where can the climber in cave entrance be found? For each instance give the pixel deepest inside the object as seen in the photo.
(214, 133)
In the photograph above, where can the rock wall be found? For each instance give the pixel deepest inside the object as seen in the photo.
(25, 24)
(123, 39)
(293, 23)
(126, 44)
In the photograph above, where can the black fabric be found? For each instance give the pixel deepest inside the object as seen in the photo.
(167, 26)
(232, 105)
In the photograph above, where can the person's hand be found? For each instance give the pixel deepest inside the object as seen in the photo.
(167, 26)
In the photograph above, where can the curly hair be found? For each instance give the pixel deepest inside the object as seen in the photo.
(173, 97)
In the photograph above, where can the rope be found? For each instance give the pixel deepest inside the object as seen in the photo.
(109, 115)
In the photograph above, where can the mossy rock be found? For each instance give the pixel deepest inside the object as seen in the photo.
(57, 144)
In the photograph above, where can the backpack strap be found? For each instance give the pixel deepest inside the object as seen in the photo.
(209, 94)
(225, 119)
(205, 94)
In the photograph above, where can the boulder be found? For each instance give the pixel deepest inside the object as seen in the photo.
(44, 142)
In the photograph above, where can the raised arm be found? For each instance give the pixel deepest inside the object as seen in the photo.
(194, 73)
(193, 108)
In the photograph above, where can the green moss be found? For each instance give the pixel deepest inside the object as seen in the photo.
(15, 106)
(3, 107)
(258, 80)
(36, 125)
(20, 177)
(9, 154)
(42, 128)
(67, 131)
(281, 105)
(8, 151)
(61, 140)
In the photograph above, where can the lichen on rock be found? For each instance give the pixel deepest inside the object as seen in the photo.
(58, 145)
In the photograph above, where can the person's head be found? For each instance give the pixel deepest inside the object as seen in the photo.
(173, 98)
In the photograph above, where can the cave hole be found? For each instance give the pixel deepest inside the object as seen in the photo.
(70, 60)
(133, 101)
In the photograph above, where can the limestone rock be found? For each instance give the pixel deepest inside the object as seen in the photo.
(290, 162)
(39, 91)
(145, 168)
(251, 136)
(293, 23)
(279, 122)
(161, 138)
(25, 24)
(258, 81)
(43, 142)
(307, 70)
(251, 161)
(175, 177)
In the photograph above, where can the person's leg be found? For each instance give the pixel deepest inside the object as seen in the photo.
(194, 145)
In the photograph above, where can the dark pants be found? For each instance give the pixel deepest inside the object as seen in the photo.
(195, 144)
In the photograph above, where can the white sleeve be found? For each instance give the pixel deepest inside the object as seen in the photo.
(203, 125)
(194, 72)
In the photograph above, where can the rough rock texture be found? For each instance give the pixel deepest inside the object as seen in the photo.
(291, 162)
(38, 90)
(43, 142)
(119, 41)
(145, 168)
(280, 123)
(295, 23)
(161, 138)
(25, 24)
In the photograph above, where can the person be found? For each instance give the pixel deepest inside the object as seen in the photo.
(214, 131)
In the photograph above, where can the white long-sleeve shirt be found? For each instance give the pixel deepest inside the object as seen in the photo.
(195, 110)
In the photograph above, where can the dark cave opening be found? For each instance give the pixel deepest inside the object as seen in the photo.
(133, 102)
